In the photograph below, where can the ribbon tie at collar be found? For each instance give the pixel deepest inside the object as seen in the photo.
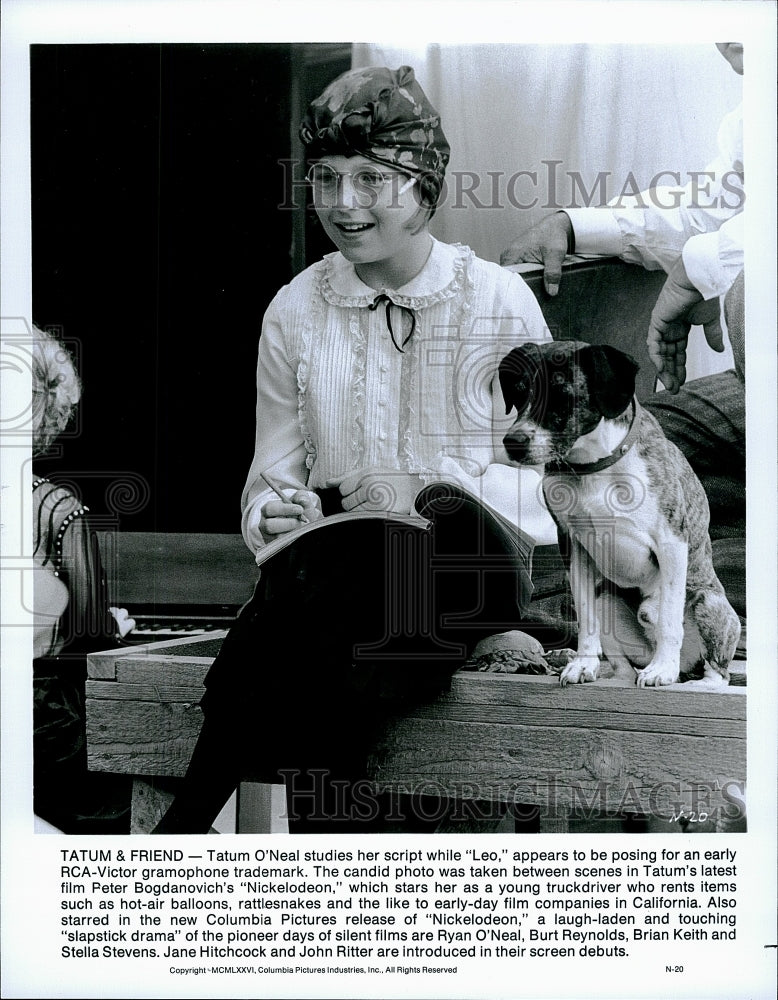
(383, 297)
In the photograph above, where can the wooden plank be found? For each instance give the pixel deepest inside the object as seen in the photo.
(101, 665)
(493, 689)
(607, 747)
(563, 717)
(473, 687)
(110, 721)
(153, 738)
(164, 693)
(202, 645)
(171, 762)
(553, 767)
(497, 714)
(150, 802)
(184, 671)
(130, 725)
(151, 797)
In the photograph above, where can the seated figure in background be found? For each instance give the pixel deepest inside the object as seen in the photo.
(71, 618)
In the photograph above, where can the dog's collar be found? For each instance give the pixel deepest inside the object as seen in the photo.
(587, 468)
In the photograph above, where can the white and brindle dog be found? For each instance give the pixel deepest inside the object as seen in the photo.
(631, 515)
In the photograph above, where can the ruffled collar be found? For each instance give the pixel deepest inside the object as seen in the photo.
(440, 279)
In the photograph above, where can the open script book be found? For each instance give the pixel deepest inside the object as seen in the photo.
(280, 543)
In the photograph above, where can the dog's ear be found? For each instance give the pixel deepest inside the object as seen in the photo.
(517, 372)
(610, 374)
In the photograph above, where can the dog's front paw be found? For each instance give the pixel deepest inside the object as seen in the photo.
(658, 673)
(581, 670)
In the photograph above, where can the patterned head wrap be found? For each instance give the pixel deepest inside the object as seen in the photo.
(384, 115)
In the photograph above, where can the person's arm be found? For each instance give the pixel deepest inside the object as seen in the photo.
(279, 445)
(653, 227)
(713, 260)
(679, 307)
(73, 553)
(705, 269)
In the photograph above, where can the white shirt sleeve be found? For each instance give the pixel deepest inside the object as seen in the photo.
(714, 260)
(654, 227)
(279, 446)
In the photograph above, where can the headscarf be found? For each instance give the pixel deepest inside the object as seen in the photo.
(384, 115)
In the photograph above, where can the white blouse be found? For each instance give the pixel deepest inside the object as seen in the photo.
(335, 394)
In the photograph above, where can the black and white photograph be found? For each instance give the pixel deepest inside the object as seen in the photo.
(385, 459)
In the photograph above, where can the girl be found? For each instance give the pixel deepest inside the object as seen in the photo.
(376, 390)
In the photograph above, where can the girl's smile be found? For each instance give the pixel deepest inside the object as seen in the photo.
(350, 228)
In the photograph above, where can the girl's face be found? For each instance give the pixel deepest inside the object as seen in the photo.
(368, 210)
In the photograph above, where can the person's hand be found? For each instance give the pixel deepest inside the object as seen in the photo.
(378, 489)
(280, 516)
(679, 307)
(547, 244)
(124, 624)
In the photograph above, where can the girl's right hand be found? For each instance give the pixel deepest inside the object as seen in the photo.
(278, 516)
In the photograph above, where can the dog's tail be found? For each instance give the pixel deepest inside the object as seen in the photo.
(719, 630)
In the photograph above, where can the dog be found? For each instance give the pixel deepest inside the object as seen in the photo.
(631, 515)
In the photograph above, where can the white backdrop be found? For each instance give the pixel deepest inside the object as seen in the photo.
(596, 108)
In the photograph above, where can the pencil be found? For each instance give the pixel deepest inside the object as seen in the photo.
(276, 488)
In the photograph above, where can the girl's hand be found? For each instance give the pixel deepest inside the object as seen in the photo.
(280, 516)
(378, 489)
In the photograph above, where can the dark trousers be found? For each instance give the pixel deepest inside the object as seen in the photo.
(347, 626)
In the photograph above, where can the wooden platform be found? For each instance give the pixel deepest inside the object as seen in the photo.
(523, 741)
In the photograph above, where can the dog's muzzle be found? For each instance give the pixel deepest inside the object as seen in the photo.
(517, 445)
